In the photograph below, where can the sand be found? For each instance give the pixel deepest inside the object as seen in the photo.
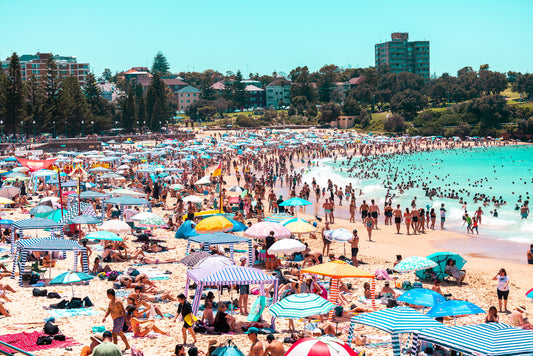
(28, 312)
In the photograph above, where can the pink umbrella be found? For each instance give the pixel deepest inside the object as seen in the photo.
(321, 346)
(262, 229)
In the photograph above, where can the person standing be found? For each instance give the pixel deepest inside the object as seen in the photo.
(442, 216)
(257, 347)
(370, 225)
(524, 210)
(244, 292)
(503, 288)
(373, 209)
(118, 314)
(185, 310)
(326, 242)
(397, 213)
(354, 243)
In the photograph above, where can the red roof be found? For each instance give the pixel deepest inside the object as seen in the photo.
(357, 81)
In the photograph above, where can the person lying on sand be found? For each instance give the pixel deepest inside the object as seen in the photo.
(156, 261)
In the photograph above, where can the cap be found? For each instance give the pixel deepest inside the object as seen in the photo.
(107, 334)
(242, 258)
(252, 330)
(212, 342)
(270, 337)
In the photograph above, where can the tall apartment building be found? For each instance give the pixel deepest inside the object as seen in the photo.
(278, 91)
(402, 55)
(36, 64)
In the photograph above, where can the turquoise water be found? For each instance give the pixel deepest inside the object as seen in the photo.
(505, 173)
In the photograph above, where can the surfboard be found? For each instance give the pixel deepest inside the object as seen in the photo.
(257, 309)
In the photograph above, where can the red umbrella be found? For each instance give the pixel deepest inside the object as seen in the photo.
(321, 346)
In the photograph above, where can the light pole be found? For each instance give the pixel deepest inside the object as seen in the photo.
(160, 126)
(82, 122)
(34, 129)
(22, 128)
(144, 124)
(54, 128)
(92, 127)
(2, 126)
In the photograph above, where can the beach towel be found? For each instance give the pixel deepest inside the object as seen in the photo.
(65, 313)
(28, 342)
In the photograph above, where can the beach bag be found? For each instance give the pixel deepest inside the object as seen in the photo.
(87, 302)
(112, 276)
(75, 303)
(53, 295)
(44, 340)
(406, 285)
(34, 278)
(39, 292)
(391, 303)
(50, 329)
(60, 337)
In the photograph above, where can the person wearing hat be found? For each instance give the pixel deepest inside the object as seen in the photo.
(107, 347)
(517, 319)
(212, 347)
(257, 347)
(274, 347)
(387, 291)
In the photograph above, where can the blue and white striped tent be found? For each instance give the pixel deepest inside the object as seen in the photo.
(394, 321)
(86, 209)
(25, 246)
(228, 275)
(221, 238)
(122, 202)
(34, 224)
(491, 339)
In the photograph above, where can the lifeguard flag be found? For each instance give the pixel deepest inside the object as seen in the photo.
(218, 170)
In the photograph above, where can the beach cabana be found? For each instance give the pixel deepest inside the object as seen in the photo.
(221, 238)
(26, 246)
(34, 224)
(88, 195)
(338, 270)
(494, 339)
(228, 275)
(123, 201)
(394, 321)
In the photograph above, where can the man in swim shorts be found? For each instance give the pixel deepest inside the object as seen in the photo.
(397, 213)
(374, 212)
(354, 243)
(442, 216)
(364, 210)
(524, 210)
(116, 309)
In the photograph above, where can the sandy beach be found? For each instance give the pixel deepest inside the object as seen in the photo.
(482, 255)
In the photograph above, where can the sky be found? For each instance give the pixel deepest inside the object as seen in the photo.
(267, 36)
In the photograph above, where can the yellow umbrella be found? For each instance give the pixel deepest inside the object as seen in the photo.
(212, 224)
(6, 201)
(299, 226)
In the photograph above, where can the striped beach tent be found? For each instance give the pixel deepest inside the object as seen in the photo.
(491, 339)
(302, 305)
(222, 238)
(228, 275)
(86, 209)
(34, 224)
(26, 246)
(394, 321)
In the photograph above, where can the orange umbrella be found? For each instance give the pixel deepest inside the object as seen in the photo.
(337, 270)
(217, 223)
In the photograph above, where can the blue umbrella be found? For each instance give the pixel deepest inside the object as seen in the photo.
(85, 219)
(454, 308)
(230, 350)
(186, 230)
(422, 296)
(5, 223)
(441, 258)
(237, 226)
(103, 235)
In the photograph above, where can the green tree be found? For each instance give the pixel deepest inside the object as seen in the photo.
(34, 95)
(156, 97)
(330, 112)
(244, 120)
(328, 76)
(302, 84)
(408, 102)
(51, 84)
(524, 85)
(491, 110)
(160, 64)
(14, 96)
(128, 111)
(206, 112)
(364, 119)
(97, 104)
(351, 107)
(394, 123)
(300, 104)
(72, 106)
(107, 75)
(239, 95)
(491, 82)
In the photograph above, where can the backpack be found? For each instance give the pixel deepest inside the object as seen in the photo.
(36, 292)
(53, 295)
(34, 278)
(50, 329)
(44, 340)
(112, 276)
(87, 302)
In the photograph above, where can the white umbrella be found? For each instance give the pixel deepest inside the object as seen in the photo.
(203, 180)
(116, 226)
(215, 261)
(193, 199)
(286, 247)
(342, 235)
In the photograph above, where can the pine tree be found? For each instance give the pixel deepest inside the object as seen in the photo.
(35, 103)
(141, 112)
(14, 102)
(97, 104)
(51, 87)
(160, 64)
(155, 120)
(128, 112)
(239, 93)
(73, 107)
(156, 97)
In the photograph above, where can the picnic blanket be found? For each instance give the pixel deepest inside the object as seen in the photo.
(28, 342)
(65, 313)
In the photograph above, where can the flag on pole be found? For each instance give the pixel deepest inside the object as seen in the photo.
(218, 170)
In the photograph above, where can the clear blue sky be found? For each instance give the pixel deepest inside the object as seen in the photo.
(267, 36)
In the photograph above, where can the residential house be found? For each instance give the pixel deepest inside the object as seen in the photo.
(187, 96)
(256, 97)
(174, 84)
(279, 91)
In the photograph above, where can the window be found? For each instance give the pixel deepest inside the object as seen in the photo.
(188, 101)
(194, 95)
(188, 95)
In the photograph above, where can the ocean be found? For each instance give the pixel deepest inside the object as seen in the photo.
(505, 173)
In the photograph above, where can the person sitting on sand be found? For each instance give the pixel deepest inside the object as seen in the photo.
(111, 256)
(141, 328)
(453, 271)
(224, 323)
(140, 280)
(387, 291)
(436, 287)
(208, 311)
(97, 268)
(368, 292)
(517, 319)
(492, 315)
(530, 255)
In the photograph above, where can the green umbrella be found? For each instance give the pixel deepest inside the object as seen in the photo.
(41, 211)
(441, 258)
(85, 219)
(57, 215)
(71, 277)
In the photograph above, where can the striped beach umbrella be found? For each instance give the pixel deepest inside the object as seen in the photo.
(214, 262)
(414, 263)
(262, 229)
(41, 210)
(298, 226)
(279, 217)
(85, 219)
(321, 346)
(194, 258)
(303, 305)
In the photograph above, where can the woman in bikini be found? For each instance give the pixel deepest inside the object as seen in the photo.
(407, 218)
(141, 328)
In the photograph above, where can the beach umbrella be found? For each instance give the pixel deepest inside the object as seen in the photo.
(296, 202)
(126, 192)
(279, 217)
(216, 223)
(286, 247)
(230, 350)
(176, 186)
(195, 199)
(421, 296)
(262, 229)
(186, 230)
(341, 235)
(147, 219)
(6, 201)
(56, 215)
(237, 226)
(194, 258)
(414, 263)
(9, 192)
(236, 189)
(320, 346)
(299, 226)
(69, 278)
(5, 223)
(41, 210)
(441, 258)
(529, 293)
(85, 219)
(203, 181)
(103, 235)
(214, 262)
(454, 308)
(116, 226)
(303, 305)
